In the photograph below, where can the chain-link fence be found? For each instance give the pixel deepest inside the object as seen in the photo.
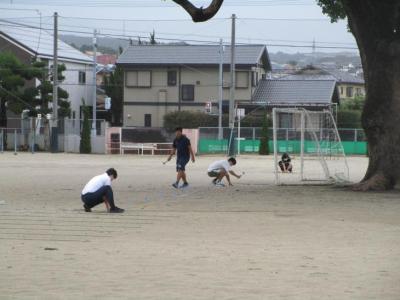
(33, 134)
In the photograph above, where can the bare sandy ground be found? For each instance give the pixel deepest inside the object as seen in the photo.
(251, 241)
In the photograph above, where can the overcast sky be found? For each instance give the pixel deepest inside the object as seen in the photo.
(274, 33)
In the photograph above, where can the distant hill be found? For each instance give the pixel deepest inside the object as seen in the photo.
(304, 59)
(108, 45)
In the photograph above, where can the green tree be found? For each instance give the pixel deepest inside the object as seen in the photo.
(17, 91)
(264, 140)
(45, 91)
(153, 38)
(114, 88)
(376, 28)
(85, 143)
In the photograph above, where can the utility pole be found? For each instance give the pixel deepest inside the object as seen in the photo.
(94, 110)
(220, 88)
(233, 75)
(54, 129)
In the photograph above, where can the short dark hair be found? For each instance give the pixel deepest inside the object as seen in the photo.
(113, 172)
(232, 160)
(180, 129)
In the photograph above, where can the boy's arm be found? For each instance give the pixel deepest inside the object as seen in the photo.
(173, 151)
(234, 174)
(191, 153)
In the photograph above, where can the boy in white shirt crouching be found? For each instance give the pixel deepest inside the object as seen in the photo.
(98, 190)
(220, 169)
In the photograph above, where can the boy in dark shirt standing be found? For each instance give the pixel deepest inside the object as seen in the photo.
(183, 150)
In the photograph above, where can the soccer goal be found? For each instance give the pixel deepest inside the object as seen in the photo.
(313, 143)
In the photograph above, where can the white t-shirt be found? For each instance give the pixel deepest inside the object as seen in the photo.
(218, 165)
(96, 183)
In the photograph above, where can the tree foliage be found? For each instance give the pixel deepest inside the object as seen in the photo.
(264, 140)
(45, 91)
(113, 85)
(85, 143)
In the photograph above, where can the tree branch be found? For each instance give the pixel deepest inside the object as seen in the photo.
(200, 14)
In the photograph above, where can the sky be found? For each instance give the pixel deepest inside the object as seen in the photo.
(283, 25)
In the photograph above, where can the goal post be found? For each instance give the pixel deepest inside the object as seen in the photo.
(312, 141)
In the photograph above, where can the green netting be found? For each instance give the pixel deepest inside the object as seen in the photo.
(208, 146)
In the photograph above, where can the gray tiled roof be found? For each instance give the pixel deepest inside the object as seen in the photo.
(40, 43)
(295, 92)
(192, 55)
(345, 77)
(325, 74)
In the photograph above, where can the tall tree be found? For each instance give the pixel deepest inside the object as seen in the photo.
(15, 94)
(113, 85)
(153, 38)
(376, 28)
(45, 91)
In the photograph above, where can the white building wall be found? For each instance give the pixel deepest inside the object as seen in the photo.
(76, 90)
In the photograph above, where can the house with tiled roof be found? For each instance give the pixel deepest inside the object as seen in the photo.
(29, 43)
(349, 85)
(165, 78)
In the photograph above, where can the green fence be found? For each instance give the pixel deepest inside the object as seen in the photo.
(208, 146)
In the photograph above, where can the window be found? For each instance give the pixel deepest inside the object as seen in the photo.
(349, 92)
(172, 78)
(82, 77)
(140, 79)
(187, 92)
(242, 80)
(147, 120)
(358, 92)
(341, 90)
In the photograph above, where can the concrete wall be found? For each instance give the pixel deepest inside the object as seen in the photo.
(159, 98)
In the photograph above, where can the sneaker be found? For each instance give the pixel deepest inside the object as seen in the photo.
(87, 208)
(185, 185)
(214, 181)
(175, 185)
(116, 210)
(220, 184)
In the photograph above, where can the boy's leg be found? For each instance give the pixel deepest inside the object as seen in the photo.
(281, 166)
(102, 194)
(221, 175)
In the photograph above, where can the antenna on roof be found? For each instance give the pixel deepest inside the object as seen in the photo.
(313, 52)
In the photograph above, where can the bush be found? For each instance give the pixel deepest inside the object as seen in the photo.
(196, 119)
(85, 144)
(349, 119)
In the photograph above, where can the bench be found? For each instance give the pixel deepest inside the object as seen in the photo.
(139, 147)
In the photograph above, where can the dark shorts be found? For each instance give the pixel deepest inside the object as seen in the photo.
(181, 163)
(213, 173)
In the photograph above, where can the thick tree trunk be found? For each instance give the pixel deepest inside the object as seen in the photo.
(375, 26)
(381, 122)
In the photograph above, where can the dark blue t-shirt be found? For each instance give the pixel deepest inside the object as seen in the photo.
(182, 147)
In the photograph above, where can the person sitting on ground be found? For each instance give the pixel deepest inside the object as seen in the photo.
(285, 163)
(98, 190)
(220, 169)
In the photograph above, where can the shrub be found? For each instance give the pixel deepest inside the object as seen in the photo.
(85, 144)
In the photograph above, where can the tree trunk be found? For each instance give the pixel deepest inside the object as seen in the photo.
(375, 26)
(381, 122)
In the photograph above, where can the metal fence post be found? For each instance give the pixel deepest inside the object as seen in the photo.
(356, 135)
(2, 141)
(15, 141)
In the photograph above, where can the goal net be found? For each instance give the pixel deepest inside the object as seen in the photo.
(312, 141)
